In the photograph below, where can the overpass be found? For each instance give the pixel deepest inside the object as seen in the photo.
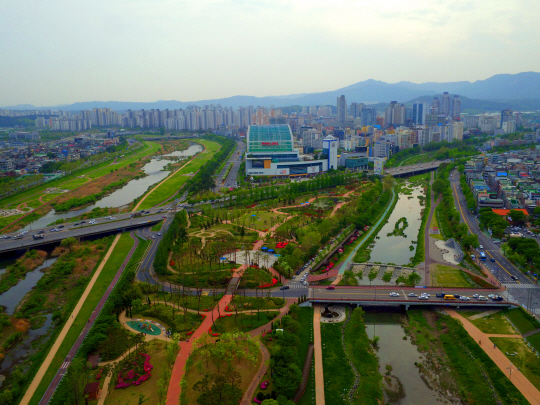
(380, 297)
(79, 232)
(413, 169)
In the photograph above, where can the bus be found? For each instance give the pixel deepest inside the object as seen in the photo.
(482, 256)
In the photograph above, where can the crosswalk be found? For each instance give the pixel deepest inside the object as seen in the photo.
(516, 285)
(296, 285)
(65, 364)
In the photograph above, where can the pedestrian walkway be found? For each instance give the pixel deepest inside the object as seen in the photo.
(532, 332)
(317, 347)
(529, 391)
(484, 314)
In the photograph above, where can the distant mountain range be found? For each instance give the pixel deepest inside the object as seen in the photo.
(520, 91)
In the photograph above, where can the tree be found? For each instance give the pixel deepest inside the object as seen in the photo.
(518, 217)
(270, 402)
(76, 379)
(461, 168)
(68, 242)
(388, 183)
(470, 240)
(162, 131)
(438, 186)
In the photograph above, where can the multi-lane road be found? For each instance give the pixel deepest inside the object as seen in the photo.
(69, 229)
(236, 160)
(522, 290)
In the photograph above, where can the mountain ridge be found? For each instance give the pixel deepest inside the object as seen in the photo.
(512, 88)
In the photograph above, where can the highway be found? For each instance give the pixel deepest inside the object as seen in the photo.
(236, 160)
(522, 290)
(120, 221)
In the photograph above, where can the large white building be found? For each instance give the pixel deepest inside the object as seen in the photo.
(271, 152)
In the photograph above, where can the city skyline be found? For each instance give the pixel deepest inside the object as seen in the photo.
(189, 51)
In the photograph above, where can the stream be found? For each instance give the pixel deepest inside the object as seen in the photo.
(133, 189)
(401, 355)
(11, 298)
(395, 249)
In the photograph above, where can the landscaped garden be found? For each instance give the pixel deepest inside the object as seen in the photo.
(243, 322)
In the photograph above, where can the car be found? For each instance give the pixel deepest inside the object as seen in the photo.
(413, 295)
(330, 287)
(476, 295)
(76, 223)
(298, 272)
(497, 298)
(423, 297)
(513, 277)
(293, 277)
(491, 295)
(41, 231)
(457, 295)
(7, 237)
(482, 298)
(163, 216)
(492, 260)
(285, 287)
(481, 247)
(394, 294)
(153, 236)
(60, 226)
(425, 294)
(159, 234)
(83, 222)
(53, 230)
(464, 298)
(441, 295)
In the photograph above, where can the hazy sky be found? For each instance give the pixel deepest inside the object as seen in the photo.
(62, 51)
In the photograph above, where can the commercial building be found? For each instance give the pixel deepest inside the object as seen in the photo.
(271, 152)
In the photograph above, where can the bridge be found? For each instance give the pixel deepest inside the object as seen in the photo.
(413, 169)
(380, 297)
(79, 232)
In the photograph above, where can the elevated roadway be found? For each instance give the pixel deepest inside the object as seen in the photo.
(121, 223)
(413, 169)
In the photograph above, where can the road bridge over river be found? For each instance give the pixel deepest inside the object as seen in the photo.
(123, 223)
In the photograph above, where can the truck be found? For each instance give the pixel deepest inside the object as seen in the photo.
(482, 256)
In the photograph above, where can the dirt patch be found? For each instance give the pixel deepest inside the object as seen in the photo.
(393, 389)
(33, 262)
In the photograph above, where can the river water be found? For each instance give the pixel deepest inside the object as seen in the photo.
(395, 249)
(133, 189)
(11, 298)
(401, 355)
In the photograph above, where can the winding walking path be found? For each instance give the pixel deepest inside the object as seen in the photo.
(529, 391)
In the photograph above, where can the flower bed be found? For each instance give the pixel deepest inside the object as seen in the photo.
(137, 374)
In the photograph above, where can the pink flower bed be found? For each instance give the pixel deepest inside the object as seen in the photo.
(136, 375)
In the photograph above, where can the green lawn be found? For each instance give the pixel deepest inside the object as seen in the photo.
(247, 303)
(535, 340)
(178, 178)
(130, 396)
(103, 281)
(252, 278)
(338, 375)
(446, 276)
(527, 362)
(244, 322)
(172, 316)
(523, 321)
(157, 227)
(494, 324)
(191, 301)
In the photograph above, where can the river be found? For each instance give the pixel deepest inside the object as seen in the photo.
(395, 249)
(401, 354)
(133, 189)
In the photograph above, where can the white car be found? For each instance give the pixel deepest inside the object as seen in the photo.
(476, 295)
(423, 297)
(394, 294)
(464, 298)
(481, 247)
(413, 295)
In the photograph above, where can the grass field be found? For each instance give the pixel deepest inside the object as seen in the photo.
(107, 274)
(338, 375)
(494, 324)
(130, 396)
(446, 276)
(157, 227)
(535, 340)
(528, 363)
(523, 321)
(178, 178)
(244, 322)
